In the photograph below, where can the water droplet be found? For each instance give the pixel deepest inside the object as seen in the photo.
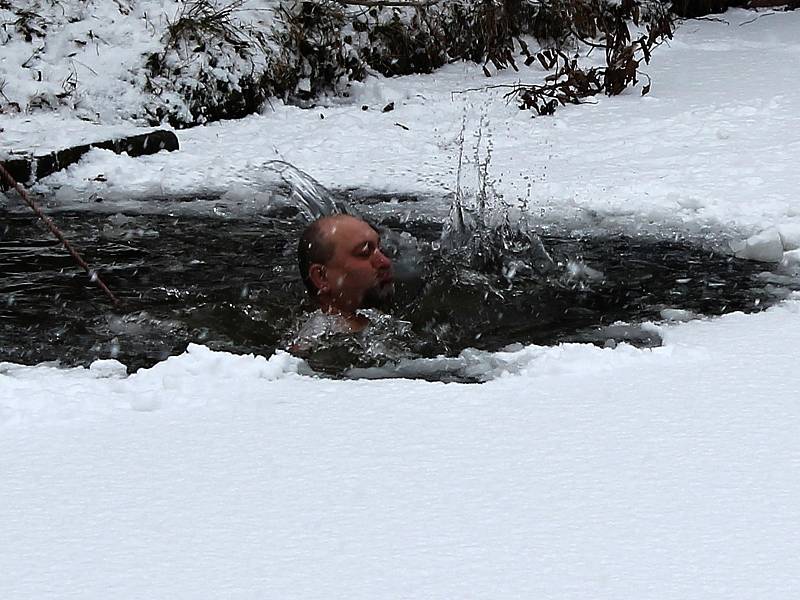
(114, 348)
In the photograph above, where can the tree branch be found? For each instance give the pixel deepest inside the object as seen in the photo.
(411, 3)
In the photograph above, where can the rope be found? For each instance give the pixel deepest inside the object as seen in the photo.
(93, 275)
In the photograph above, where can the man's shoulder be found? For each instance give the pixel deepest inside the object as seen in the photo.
(316, 327)
(320, 323)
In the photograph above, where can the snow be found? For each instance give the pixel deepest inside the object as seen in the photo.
(88, 59)
(235, 476)
(575, 472)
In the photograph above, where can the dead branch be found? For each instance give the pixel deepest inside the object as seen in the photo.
(756, 18)
(371, 3)
(6, 176)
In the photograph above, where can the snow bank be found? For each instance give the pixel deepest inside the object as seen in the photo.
(201, 376)
(667, 473)
(31, 394)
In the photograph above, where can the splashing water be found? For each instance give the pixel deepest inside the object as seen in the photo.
(480, 229)
(327, 343)
(306, 193)
(483, 235)
(486, 237)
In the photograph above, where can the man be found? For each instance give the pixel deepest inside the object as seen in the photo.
(344, 270)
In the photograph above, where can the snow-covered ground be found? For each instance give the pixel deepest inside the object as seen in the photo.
(581, 473)
(667, 473)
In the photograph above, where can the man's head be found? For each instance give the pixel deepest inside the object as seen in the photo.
(342, 265)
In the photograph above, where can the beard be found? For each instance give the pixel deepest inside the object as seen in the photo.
(379, 296)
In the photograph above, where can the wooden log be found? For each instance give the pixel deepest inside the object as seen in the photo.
(791, 4)
(31, 168)
(19, 168)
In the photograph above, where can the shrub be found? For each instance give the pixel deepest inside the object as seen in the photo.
(212, 66)
(312, 54)
(607, 27)
(699, 8)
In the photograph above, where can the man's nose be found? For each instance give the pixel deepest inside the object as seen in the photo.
(380, 260)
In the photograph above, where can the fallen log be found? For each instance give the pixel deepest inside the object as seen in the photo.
(29, 169)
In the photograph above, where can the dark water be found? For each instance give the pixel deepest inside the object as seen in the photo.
(232, 285)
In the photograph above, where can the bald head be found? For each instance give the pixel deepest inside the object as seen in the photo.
(342, 264)
(315, 246)
(318, 243)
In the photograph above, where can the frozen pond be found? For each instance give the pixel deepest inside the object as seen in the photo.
(232, 284)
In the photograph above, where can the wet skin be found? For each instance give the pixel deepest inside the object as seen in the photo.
(358, 275)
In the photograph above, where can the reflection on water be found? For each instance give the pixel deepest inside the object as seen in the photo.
(232, 284)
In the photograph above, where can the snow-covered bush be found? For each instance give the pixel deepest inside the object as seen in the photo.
(313, 53)
(425, 38)
(213, 65)
(324, 44)
(318, 47)
(191, 61)
(626, 32)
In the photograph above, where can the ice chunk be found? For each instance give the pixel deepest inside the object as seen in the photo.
(690, 202)
(237, 192)
(677, 314)
(766, 246)
(578, 270)
(108, 369)
(791, 260)
(790, 236)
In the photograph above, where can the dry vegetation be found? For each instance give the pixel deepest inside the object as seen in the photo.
(216, 61)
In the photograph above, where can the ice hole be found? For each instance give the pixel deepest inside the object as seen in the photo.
(232, 284)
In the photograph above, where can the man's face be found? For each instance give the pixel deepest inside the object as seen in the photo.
(358, 275)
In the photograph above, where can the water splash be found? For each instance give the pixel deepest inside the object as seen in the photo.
(578, 275)
(480, 228)
(483, 233)
(305, 192)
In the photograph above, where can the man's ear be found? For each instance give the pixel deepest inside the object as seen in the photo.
(318, 276)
